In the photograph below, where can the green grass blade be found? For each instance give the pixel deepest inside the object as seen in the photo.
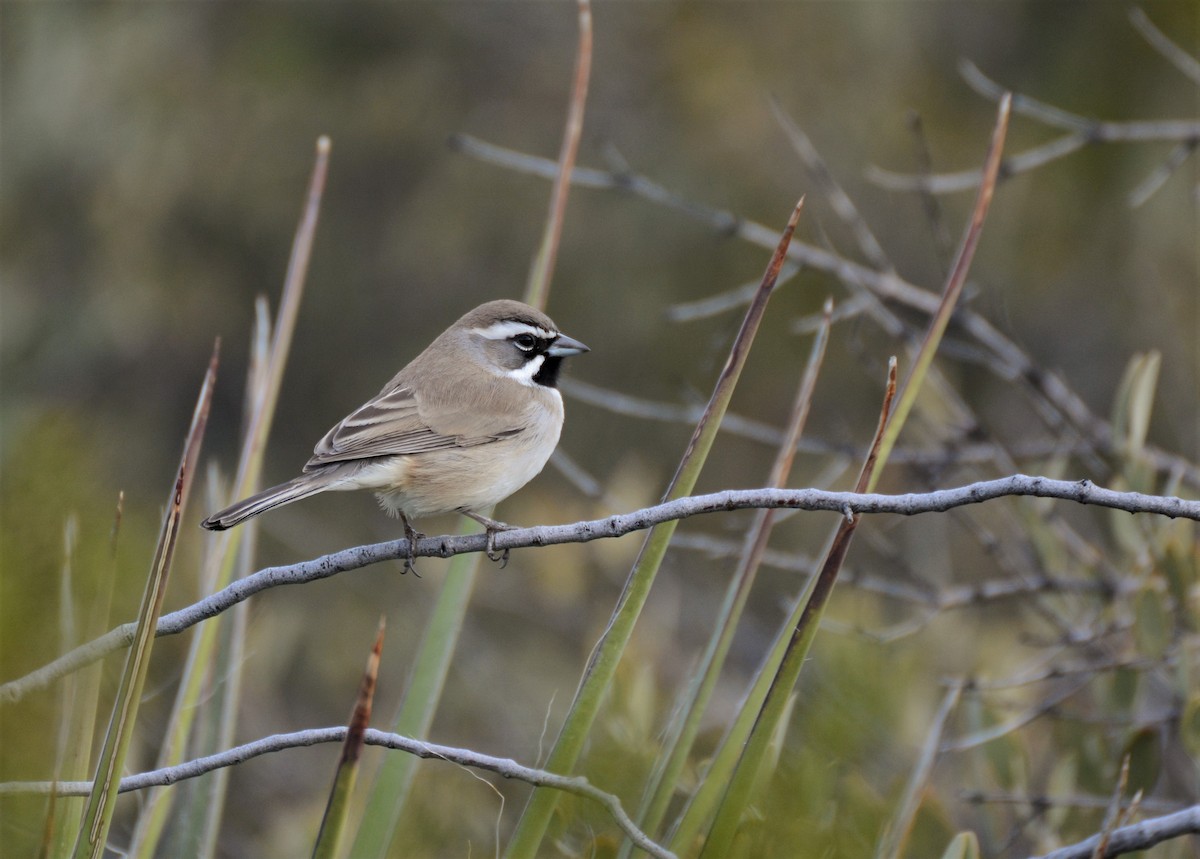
(70, 730)
(84, 699)
(337, 810)
(598, 677)
(681, 733)
(746, 775)
(393, 781)
(98, 812)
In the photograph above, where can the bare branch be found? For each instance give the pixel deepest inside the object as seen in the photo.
(1023, 104)
(1081, 131)
(1158, 40)
(1138, 836)
(446, 546)
(505, 767)
(966, 180)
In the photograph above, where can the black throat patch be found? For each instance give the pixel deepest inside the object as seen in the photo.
(547, 374)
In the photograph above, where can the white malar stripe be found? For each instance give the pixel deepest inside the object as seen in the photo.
(511, 328)
(525, 373)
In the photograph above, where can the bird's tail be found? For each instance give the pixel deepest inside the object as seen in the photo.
(285, 493)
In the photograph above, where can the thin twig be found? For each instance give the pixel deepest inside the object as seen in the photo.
(621, 403)
(1058, 672)
(1081, 131)
(842, 205)
(1046, 801)
(505, 767)
(1080, 492)
(1158, 40)
(1174, 160)
(929, 203)
(1023, 104)
(942, 599)
(967, 180)
(1021, 720)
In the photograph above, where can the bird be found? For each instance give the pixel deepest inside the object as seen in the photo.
(464, 425)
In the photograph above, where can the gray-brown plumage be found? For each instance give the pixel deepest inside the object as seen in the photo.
(467, 423)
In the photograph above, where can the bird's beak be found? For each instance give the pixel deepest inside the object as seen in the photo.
(564, 346)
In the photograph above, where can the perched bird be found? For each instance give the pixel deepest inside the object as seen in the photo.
(466, 424)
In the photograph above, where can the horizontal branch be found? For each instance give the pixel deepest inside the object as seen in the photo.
(505, 767)
(846, 503)
(1138, 836)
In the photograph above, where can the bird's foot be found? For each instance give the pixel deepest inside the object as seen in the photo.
(412, 535)
(492, 527)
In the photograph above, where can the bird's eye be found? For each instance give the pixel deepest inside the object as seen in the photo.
(525, 342)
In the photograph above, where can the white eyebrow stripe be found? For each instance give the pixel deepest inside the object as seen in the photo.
(511, 328)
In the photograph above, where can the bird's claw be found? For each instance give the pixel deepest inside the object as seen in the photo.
(492, 527)
(494, 556)
(412, 535)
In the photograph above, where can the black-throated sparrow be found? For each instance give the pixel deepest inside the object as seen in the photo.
(467, 423)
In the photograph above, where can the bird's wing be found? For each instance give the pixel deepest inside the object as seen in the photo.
(391, 424)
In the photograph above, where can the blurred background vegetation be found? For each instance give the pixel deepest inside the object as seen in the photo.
(152, 164)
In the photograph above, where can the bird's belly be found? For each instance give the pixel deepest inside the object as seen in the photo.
(471, 478)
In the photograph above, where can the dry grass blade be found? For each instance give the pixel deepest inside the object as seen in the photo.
(337, 810)
(262, 395)
(538, 289)
(93, 833)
